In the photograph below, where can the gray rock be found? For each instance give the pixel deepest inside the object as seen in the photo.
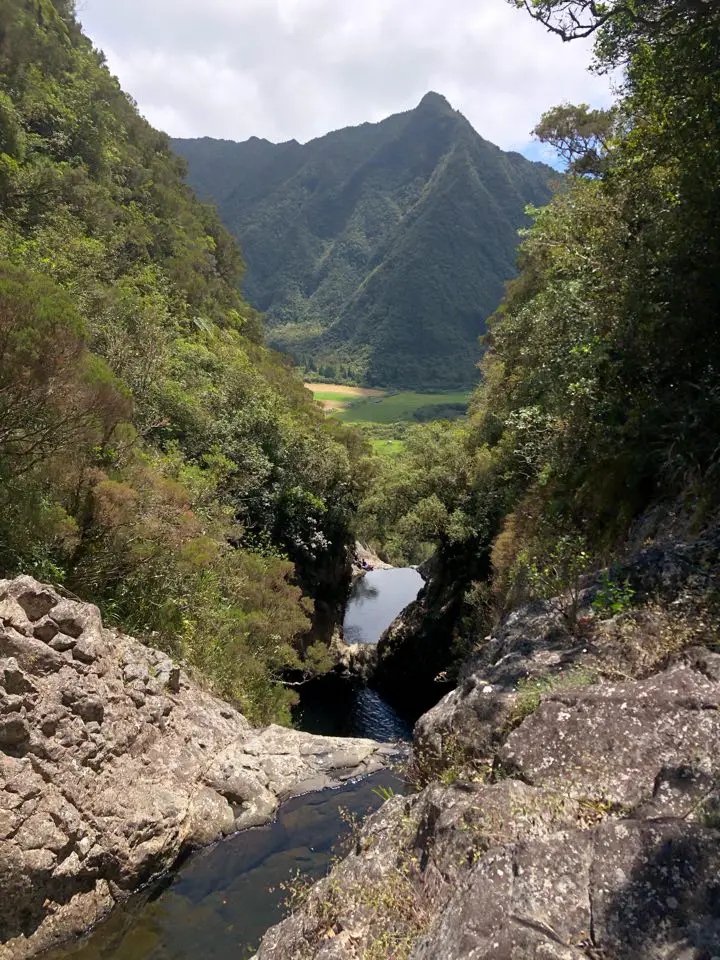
(14, 731)
(45, 631)
(607, 847)
(585, 820)
(36, 605)
(105, 782)
(173, 680)
(14, 679)
(617, 742)
(626, 890)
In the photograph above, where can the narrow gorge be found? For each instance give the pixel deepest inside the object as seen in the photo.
(117, 765)
(501, 835)
(403, 644)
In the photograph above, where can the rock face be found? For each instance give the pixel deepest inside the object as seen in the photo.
(112, 762)
(415, 652)
(364, 555)
(571, 806)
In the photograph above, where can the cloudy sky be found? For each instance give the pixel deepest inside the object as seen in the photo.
(286, 69)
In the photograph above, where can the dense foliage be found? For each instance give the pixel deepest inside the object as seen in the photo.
(601, 392)
(378, 251)
(154, 456)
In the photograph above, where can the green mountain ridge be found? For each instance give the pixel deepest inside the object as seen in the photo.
(379, 251)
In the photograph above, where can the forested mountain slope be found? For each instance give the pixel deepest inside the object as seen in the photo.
(154, 456)
(377, 251)
(597, 424)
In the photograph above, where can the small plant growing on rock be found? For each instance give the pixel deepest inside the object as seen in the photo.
(384, 793)
(452, 762)
(710, 813)
(613, 596)
(295, 890)
(556, 575)
(530, 692)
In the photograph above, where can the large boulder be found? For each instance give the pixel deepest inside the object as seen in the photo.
(597, 836)
(670, 605)
(113, 761)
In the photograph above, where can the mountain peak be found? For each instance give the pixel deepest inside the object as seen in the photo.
(434, 101)
(379, 251)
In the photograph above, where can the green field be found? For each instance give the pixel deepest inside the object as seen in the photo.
(398, 406)
(336, 396)
(387, 448)
(331, 395)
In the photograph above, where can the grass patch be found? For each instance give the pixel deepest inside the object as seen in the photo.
(530, 692)
(387, 448)
(399, 406)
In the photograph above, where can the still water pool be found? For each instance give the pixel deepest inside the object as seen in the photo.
(376, 599)
(221, 901)
(341, 709)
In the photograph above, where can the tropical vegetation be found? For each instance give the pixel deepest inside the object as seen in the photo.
(600, 400)
(377, 251)
(155, 456)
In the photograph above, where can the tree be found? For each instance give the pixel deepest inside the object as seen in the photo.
(53, 393)
(581, 136)
(636, 19)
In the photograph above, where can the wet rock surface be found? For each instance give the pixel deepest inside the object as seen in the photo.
(572, 805)
(421, 644)
(112, 762)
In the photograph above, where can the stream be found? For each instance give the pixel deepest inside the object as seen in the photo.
(221, 900)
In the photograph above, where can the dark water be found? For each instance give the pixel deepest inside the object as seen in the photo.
(376, 599)
(350, 711)
(340, 709)
(219, 904)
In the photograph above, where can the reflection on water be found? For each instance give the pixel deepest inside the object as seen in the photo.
(376, 599)
(219, 903)
(346, 710)
(349, 711)
(364, 589)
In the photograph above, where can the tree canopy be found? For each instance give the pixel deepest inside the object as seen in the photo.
(155, 456)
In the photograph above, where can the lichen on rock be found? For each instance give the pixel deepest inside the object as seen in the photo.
(568, 795)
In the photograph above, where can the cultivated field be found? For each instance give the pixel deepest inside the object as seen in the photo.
(336, 396)
(391, 408)
(387, 448)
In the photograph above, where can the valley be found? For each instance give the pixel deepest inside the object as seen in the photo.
(452, 557)
(336, 397)
(360, 405)
(385, 416)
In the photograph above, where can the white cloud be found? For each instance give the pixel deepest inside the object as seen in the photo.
(286, 69)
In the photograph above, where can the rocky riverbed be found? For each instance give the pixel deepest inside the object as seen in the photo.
(568, 792)
(113, 762)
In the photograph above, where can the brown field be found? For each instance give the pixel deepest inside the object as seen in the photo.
(336, 396)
